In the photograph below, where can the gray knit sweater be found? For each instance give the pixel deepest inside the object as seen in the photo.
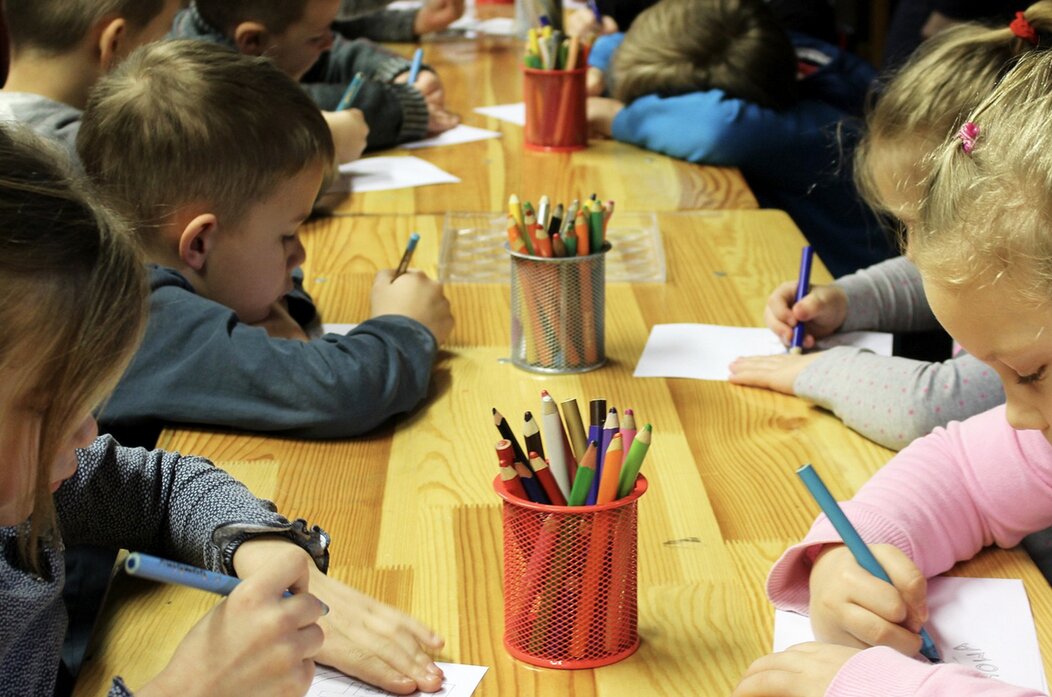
(177, 507)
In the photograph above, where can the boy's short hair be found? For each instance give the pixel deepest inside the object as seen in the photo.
(681, 46)
(56, 26)
(276, 15)
(185, 121)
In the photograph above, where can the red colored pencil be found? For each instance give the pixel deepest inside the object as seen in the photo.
(507, 470)
(544, 476)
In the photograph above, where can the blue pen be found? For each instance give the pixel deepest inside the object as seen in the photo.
(168, 571)
(855, 544)
(406, 256)
(352, 91)
(803, 286)
(594, 7)
(414, 69)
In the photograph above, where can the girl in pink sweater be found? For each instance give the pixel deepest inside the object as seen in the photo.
(984, 251)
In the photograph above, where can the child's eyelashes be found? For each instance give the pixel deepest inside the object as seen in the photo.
(1033, 377)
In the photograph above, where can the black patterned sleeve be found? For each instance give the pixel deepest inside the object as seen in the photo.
(177, 507)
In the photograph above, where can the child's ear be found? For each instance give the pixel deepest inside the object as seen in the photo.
(113, 31)
(250, 38)
(197, 239)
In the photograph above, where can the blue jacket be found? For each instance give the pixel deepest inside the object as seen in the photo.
(199, 365)
(798, 160)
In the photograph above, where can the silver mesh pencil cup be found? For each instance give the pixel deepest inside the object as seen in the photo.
(557, 312)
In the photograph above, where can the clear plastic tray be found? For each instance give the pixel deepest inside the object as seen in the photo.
(473, 249)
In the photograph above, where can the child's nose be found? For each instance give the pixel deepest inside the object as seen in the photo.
(298, 256)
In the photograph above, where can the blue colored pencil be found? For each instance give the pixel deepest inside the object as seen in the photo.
(352, 92)
(594, 7)
(414, 68)
(803, 286)
(854, 542)
(168, 571)
(407, 256)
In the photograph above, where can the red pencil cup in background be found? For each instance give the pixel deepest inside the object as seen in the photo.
(556, 117)
(570, 581)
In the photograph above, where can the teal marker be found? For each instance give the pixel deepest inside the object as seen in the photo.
(352, 91)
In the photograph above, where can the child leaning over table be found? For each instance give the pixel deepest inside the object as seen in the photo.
(719, 82)
(216, 159)
(60, 48)
(75, 307)
(903, 399)
(298, 36)
(982, 246)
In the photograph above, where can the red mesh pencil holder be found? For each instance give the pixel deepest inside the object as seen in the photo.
(570, 581)
(556, 117)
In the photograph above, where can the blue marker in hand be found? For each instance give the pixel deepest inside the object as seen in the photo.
(414, 68)
(803, 286)
(855, 544)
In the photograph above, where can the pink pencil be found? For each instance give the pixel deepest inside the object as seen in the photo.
(628, 428)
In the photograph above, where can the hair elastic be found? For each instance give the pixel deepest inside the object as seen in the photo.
(1022, 28)
(968, 133)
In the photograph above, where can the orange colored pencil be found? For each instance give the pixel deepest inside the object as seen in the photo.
(544, 476)
(515, 241)
(611, 470)
(581, 230)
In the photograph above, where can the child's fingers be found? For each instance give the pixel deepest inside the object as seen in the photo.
(870, 629)
(423, 634)
(399, 647)
(909, 582)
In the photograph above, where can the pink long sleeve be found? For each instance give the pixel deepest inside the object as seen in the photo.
(941, 500)
(868, 674)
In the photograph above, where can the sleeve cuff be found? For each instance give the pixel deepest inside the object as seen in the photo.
(391, 68)
(313, 540)
(414, 113)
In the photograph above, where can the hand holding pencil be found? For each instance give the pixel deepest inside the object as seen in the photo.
(412, 295)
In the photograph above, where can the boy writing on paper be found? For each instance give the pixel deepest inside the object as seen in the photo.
(60, 48)
(216, 158)
(297, 35)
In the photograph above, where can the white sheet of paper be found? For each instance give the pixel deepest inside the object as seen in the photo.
(454, 136)
(703, 351)
(512, 113)
(983, 623)
(383, 173)
(336, 327)
(461, 681)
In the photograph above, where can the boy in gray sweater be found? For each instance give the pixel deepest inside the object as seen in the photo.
(60, 48)
(216, 158)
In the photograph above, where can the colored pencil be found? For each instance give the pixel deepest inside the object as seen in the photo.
(506, 458)
(574, 428)
(407, 256)
(610, 427)
(534, 490)
(504, 428)
(543, 472)
(803, 287)
(414, 67)
(531, 434)
(611, 470)
(582, 483)
(351, 92)
(556, 437)
(628, 428)
(633, 461)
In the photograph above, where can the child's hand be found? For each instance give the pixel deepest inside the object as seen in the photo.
(776, 373)
(436, 15)
(279, 323)
(594, 82)
(412, 295)
(582, 23)
(850, 606)
(601, 114)
(429, 85)
(824, 309)
(349, 133)
(439, 120)
(375, 642)
(253, 642)
(804, 670)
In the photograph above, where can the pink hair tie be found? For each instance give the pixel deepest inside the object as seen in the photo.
(1022, 28)
(968, 133)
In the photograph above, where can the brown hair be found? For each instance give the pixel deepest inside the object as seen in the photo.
(184, 121)
(75, 302)
(988, 213)
(680, 46)
(56, 26)
(929, 96)
(275, 15)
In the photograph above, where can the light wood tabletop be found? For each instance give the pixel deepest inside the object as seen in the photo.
(486, 73)
(414, 518)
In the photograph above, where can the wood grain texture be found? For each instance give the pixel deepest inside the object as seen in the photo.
(415, 520)
(476, 74)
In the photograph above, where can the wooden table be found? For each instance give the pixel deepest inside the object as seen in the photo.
(485, 73)
(415, 521)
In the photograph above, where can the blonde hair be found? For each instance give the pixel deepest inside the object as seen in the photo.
(929, 96)
(680, 46)
(56, 26)
(988, 213)
(74, 309)
(185, 121)
(275, 15)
